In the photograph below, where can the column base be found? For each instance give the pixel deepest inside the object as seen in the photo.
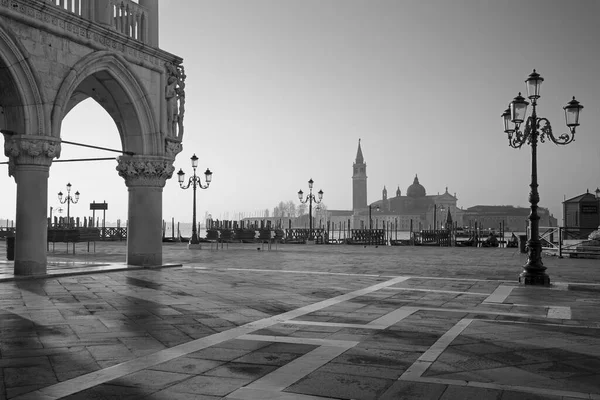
(30, 268)
(537, 280)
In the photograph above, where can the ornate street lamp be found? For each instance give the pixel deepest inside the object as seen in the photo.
(310, 198)
(535, 127)
(68, 200)
(195, 183)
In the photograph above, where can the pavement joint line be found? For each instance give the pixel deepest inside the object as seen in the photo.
(297, 369)
(393, 317)
(438, 291)
(559, 312)
(444, 341)
(246, 393)
(499, 386)
(470, 311)
(300, 340)
(500, 294)
(311, 272)
(86, 381)
(337, 324)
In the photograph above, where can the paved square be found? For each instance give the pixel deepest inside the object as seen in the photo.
(300, 322)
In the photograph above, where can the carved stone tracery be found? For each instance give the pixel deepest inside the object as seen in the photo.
(150, 171)
(30, 150)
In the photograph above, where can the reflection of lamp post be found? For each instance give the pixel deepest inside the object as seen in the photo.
(310, 198)
(371, 219)
(194, 182)
(68, 200)
(535, 127)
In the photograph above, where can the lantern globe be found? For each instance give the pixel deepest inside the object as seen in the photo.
(518, 109)
(572, 110)
(194, 161)
(534, 83)
(508, 125)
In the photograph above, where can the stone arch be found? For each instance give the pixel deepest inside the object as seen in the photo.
(20, 98)
(107, 78)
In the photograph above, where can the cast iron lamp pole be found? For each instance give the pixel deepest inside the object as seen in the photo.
(68, 200)
(371, 219)
(535, 127)
(194, 182)
(310, 198)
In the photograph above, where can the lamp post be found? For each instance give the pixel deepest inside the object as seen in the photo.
(310, 198)
(535, 127)
(195, 182)
(68, 200)
(371, 219)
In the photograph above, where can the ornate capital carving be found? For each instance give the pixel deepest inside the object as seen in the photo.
(172, 147)
(30, 150)
(145, 170)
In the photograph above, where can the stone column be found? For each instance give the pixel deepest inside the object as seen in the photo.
(30, 158)
(145, 177)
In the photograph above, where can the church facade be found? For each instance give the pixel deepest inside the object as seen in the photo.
(416, 209)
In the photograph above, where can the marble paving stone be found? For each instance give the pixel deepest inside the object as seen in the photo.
(402, 390)
(110, 392)
(470, 393)
(341, 386)
(554, 370)
(22, 376)
(512, 395)
(170, 394)
(219, 353)
(110, 352)
(241, 371)
(150, 379)
(362, 370)
(292, 348)
(187, 365)
(384, 358)
(267, 358)
(209, 385)
(12, 392)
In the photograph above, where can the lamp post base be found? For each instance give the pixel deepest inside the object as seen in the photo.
(194, 246)
(527, 278)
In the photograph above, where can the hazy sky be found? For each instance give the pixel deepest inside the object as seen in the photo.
(279, 92)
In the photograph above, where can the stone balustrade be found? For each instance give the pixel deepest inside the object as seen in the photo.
(124, 16)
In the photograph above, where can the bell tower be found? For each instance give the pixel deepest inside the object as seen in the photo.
(359, 182)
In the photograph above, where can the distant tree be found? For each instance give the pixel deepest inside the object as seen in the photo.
(280, 210)
(301, 209)
(291, 209)
(266, 213)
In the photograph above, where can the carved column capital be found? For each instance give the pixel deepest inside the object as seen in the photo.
(149, 171)
(30, 150)
(172, 147)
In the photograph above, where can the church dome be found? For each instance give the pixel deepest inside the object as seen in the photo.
(416, 189)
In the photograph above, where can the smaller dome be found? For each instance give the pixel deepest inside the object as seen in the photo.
(416, 189)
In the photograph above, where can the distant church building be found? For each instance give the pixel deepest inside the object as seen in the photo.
(416, 208)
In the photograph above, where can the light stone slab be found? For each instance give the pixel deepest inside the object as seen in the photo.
(295, 370)
(500, 294)
(559, 312)
(439, 291)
